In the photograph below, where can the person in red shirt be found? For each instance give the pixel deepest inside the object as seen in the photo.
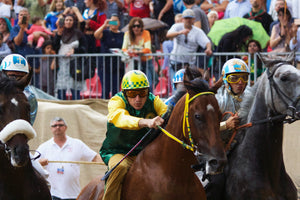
(139, 8)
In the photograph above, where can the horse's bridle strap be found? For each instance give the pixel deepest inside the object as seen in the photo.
(175, 138)
(186, 114)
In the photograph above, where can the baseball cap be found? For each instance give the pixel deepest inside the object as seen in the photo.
(188, 13)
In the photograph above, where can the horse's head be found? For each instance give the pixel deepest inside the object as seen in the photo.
(203, 119)
(283, 92)
(14, 120)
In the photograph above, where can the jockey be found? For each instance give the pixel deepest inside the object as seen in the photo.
(131, 113)
(177, 82)
(235, 74)
(16, 67)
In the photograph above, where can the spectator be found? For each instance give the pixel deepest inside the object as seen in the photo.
(167, 45)
(91, 19)
(5, 9)
(68, 41)
(48, 68)
(217, 5)
(115, 7)
(186, 39)
(234, 41)
(36, 8)
(178, 7)
(281, 32)
(19, 36)
(64, 177)
(5, 28)
(76, 3)
(138, 8)
(4, 49)
(163, 11)
(130, 115)
(57, 8)
(253, 46)
(295, 41)
(37, 26)
(279, 4)
(137, 42)
(258, 14)
(109, 74)
(237, 8)
(275, 5)
(212, 17)
(201, 20)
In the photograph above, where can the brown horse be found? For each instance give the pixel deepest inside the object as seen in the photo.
(18, 179)
(163, 169)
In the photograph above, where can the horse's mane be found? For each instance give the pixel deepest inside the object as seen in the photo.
(194, 81)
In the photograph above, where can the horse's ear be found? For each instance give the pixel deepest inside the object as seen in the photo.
(214, 88)
(290, 58)
(23, 82)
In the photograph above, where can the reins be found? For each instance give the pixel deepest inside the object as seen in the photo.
(185, 121)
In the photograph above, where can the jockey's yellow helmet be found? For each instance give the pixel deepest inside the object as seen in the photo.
(134, 79)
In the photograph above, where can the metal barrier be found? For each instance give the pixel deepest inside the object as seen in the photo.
(110, 68)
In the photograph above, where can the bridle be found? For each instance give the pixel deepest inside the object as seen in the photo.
(186, 121)
(291, 107)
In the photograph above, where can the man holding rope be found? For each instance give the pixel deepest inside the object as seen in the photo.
(130, 115)
(64, 177)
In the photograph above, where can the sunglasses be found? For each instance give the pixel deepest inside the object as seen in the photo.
(59, 125)
(136, 26)
(235, 78)
(134, 93)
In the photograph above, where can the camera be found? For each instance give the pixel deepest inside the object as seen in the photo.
(61, 22)
(24, 19)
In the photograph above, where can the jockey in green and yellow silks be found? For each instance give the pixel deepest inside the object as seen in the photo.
(130, 115)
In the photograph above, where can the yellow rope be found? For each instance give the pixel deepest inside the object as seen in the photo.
(175, 138)
(77, 162)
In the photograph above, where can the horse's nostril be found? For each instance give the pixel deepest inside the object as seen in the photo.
(213, 162)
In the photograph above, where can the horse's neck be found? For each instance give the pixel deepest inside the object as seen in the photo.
(265, 139)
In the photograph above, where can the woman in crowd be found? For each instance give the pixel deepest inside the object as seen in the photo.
(57, 8)
(253, 46)
(5, 28)
(109, 74)
(68, 41)
(137, 41)
(281, 32)
(212, 17)
(92, 18)
(234, 41)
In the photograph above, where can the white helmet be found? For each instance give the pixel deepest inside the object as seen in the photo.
(14, 62)
(234, 65)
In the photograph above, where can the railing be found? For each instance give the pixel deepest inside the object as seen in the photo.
(110, 69)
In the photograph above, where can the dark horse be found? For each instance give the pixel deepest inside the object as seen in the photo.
(163, 169)
(18, 179)
(255, 169)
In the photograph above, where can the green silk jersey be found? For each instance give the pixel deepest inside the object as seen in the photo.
(123, 131)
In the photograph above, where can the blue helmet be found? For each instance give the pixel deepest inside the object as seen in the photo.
(178, 78)
(14, 62)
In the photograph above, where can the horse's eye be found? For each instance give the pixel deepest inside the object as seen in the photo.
(199, 117)
(284, 78)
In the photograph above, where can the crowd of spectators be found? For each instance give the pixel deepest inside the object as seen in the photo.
(26, 24)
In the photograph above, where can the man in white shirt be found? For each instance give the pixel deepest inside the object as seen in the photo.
(186, 39)
(64, 177)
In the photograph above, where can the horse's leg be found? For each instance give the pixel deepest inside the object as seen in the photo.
(92, 191)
